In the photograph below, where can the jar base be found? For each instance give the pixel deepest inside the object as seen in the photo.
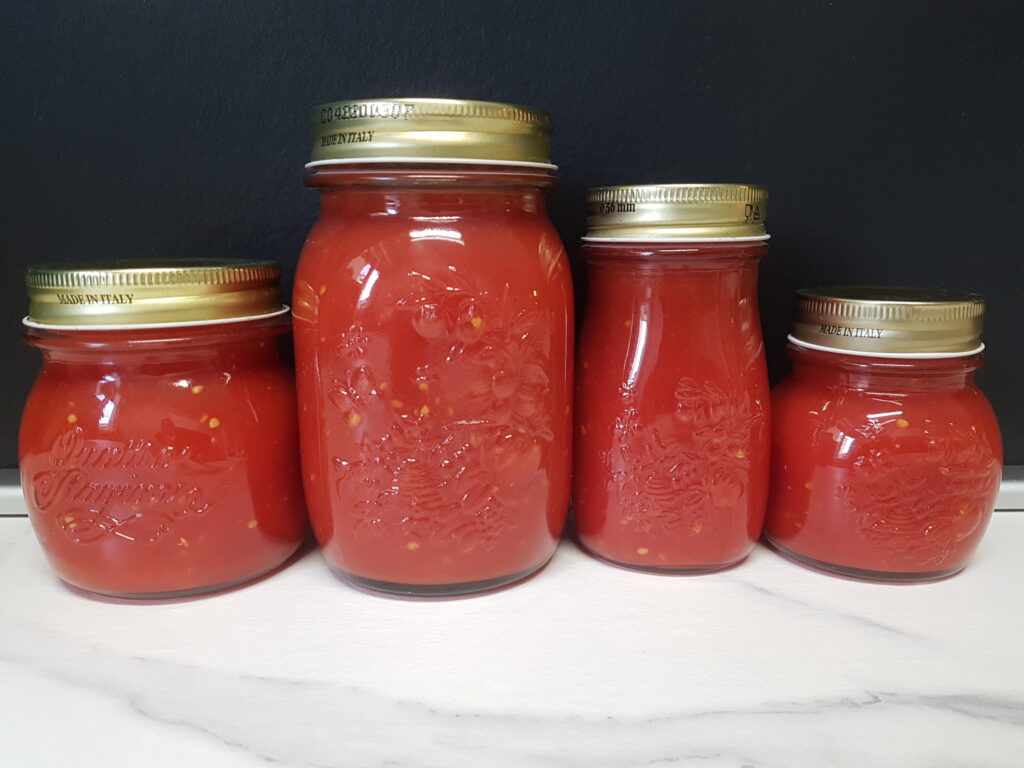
(688, 570)
(458, 589)
(182, 594)
(861, 574)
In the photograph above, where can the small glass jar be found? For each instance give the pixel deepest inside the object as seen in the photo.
(433, 328)
(158, 447)
(886, 456)
(672, 436)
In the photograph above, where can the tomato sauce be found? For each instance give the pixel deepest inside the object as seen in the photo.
(672, 432)
(882, 468)
(433, 327)
(163, 462)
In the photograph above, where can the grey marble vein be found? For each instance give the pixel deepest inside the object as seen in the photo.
(312, 724)
(829, 610)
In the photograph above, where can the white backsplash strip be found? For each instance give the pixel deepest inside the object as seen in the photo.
(1011, 490)
(11, 502)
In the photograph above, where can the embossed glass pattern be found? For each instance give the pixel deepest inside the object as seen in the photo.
(163, 462)
(885, 469)
(672, 405)
(433, 319)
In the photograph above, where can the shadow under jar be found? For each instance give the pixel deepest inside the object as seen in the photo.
(886, 456)
(433, 323)
(672, 434)
(159, 444)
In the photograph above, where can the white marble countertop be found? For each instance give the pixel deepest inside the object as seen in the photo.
(767, 665)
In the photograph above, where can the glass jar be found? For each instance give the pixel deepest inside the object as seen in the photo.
(158, 447)
(671, 469)
(433, 327)
(886, 456)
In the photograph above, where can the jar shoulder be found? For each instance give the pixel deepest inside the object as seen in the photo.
(211, 406)
(840, 421)
(378, 271)
(336, 242)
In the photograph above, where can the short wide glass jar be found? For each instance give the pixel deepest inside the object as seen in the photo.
(159, 445)
(433, 332)
(672, 433)
(886, 456)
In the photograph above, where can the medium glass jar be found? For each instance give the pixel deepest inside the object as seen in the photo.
(886, 456)
(433, 327)
(159, 446)
(672, 435)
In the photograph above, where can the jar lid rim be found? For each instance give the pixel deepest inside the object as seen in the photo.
(658, 240)
(28, 322)
(886, 355)
(406, 160)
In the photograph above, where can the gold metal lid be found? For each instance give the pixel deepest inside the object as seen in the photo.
(150, 293)
(696, 212)
(430, 130)
(881, 321)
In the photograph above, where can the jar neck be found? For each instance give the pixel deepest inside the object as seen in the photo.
(701, 290)
(876, 374)
(430, 191)
(247, 342)
(670, 256)
(717, 276)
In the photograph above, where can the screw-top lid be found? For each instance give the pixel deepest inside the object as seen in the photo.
(159, 292)
(882, 321)
(430, 130)
(696, 212)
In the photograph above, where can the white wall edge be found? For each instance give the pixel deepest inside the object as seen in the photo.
(1010, 499)
(1011, 490)
(11, 502)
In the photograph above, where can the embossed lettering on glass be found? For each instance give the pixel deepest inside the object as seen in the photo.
(433, 325)
(886, 456)
(672, 394)
(159, 445)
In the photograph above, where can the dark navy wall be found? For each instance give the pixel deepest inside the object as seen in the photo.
(889, 133)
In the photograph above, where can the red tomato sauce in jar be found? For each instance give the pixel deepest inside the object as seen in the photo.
(672, 435)
(884, 467)
(162, 461)
(433, 319)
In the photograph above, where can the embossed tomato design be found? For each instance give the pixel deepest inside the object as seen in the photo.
(429, 321)
(454, 462)
(725, 485)
(917, 506)
(686, 466)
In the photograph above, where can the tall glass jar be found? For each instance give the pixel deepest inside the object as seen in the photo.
(159, 445)
(671, 468)
(886, 456)
(433, 328)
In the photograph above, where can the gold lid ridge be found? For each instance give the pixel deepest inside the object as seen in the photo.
(114, 275)
(922, 313)
(679, 193)
(410, 109)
